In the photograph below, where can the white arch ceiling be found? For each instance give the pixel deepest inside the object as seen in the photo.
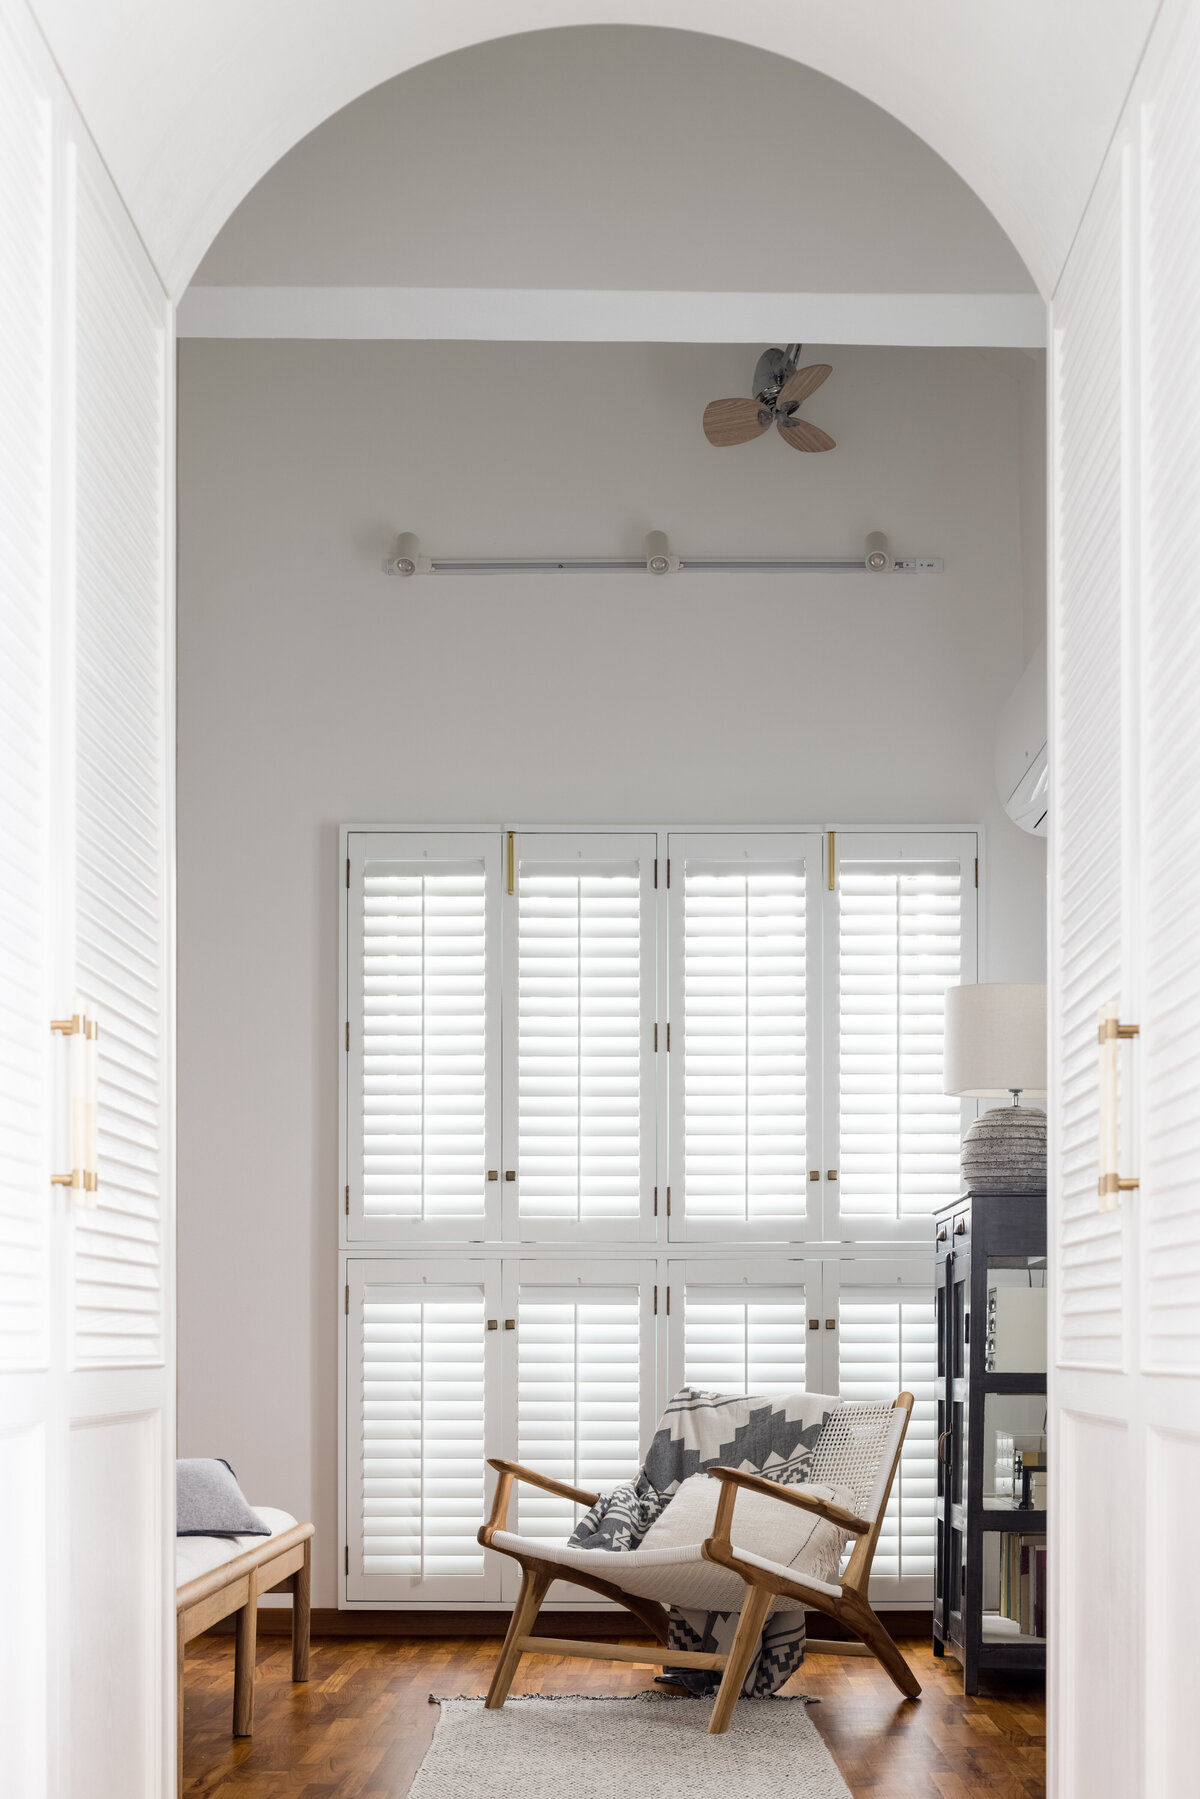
(192, 101)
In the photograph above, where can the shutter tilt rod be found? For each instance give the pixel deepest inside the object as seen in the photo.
(658, 560)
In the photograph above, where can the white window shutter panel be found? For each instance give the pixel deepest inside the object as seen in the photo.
(887, 1344)
(742, 1091)
(744, 1341)
(422, 1052)
(902, 939)
(583, 1040)
(121, 753)
(422, 1361)
(26, 174)
(584, 1381)
(1170, 709)
(1085, 768)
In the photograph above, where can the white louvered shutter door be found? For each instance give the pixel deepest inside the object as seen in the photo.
(26, 175)
(1170, 860)
(743, 1327)
(745, 1103)
(422, 1368)
(585, 1388)
(887, 1344)
(422, 1048)
(121, 757)
(905, 931)
(580, 1070)
(1085, 768)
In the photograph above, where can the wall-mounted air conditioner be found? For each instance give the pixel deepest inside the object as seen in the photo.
(1022, 769)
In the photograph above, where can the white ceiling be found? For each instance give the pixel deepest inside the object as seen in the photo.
(192, 102)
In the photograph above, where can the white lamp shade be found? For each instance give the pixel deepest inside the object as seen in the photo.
(995, 1040)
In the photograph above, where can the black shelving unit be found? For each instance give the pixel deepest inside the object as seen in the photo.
(986, 1245)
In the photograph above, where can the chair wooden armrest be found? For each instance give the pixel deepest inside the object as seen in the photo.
(732, 1479)
(510, 1471)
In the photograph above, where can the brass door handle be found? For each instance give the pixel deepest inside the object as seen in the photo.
(944, 1460)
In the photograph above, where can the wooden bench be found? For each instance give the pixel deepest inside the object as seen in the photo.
(278, 1562)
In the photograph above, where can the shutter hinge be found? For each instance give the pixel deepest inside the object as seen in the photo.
(347, 1558)
(977, 871)
(656, 871)
(347, 1301)
(668, 1039)
(347, 871)
(347, 1199)
(656, 1202)
(656, 1302)
(668, 1302)
(347, 1033)
(656, 1039)
(668, 871)
(831, 868)
(668, 1202)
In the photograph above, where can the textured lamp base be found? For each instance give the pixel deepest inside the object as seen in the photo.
(1005, 1151)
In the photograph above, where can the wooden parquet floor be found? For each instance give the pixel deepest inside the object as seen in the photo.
(359, 1728)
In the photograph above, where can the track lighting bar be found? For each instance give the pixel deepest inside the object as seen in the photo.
(658, 560)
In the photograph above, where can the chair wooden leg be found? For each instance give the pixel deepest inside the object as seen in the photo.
(750, 1625)
(243, 1662)
(535, 1584)
(178, 1704)
(302, 1614)
(867, 1625)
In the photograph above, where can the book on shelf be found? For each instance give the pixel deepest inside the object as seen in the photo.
(1023, 1581)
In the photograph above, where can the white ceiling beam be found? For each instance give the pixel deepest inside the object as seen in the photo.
(545, 315)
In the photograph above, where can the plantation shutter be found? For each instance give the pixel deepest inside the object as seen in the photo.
(424, 1364)
(422, 1044)
(905, 932)
(121, 755)
(744, 951)
(585, 1398)
(583, 1042)
(887, 1344)
(26, 177)
(743, 1328)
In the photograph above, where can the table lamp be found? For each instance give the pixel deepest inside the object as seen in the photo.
(995, 1045)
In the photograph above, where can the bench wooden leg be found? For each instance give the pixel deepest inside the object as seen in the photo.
(301, 1614)
(243, 1666)
(179, 1704)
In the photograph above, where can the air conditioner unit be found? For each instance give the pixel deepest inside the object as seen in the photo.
(1022, 768)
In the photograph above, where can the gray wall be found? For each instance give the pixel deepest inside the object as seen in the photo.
(312, 690)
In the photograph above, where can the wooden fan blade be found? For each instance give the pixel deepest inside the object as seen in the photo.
(803, 382)
(803, 436)
(734, 421)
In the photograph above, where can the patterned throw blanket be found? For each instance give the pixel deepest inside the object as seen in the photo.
(775, 1437)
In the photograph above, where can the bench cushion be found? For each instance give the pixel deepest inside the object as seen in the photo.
(197, 1555)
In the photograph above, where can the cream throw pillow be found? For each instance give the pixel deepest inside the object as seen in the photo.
(767, 1527)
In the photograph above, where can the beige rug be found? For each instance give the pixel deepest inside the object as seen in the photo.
(648, 1747)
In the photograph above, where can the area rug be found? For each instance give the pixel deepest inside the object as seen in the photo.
(650, 1745)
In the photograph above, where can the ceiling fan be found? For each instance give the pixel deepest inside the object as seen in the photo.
(780, 389)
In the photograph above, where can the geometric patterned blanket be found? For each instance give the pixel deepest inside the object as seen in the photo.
(772, 1436)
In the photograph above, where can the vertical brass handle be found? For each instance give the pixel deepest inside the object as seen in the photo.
(944, 1460)
(1111, 1182)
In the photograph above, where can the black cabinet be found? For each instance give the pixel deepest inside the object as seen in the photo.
(990, 1582)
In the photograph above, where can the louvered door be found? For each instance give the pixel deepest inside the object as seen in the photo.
(86, 1382)
(422, 1349)
(745, 936)
(901, 928)
(421, 1044)
(580, 1116)
(887, 1344)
